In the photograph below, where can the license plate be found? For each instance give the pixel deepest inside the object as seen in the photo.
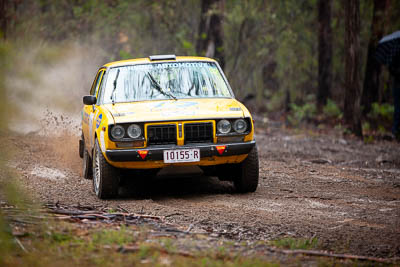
(181, 155)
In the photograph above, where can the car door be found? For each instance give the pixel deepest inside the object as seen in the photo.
(89, 112)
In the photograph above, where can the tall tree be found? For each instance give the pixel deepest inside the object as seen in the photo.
(352, 114)
(324, 52)
(210, 36)
(3, 18)
(373, 68)
(8, 16)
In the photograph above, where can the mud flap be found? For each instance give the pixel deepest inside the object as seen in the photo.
(81, 147)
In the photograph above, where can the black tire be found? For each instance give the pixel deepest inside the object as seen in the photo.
(249, 173)
(105, 177)
(87, 171)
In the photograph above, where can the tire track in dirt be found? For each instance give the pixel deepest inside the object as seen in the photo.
(351, 207)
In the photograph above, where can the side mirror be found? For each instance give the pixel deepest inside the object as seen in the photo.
(89, 100)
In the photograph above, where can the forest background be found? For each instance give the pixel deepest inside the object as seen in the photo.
(287, 60)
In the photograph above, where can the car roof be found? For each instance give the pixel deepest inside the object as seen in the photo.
(147, 60)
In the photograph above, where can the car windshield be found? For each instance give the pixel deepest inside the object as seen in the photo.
(164, 81)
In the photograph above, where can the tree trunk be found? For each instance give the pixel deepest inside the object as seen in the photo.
(3, 18)
(373, 68)
(210, 37)
(324, 52)
(352, 114)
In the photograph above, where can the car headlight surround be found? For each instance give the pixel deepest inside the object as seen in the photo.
(224, 126)
(240, 126)
(118, 132)
(134, 131)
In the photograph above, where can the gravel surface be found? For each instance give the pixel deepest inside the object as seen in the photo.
(342, 192)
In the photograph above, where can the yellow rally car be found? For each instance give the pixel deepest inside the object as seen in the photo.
(164, 110)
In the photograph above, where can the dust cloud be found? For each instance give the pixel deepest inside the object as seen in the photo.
(44, 95)
(46, 85)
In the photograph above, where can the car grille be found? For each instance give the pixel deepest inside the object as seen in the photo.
(198, 133)
(161, 134)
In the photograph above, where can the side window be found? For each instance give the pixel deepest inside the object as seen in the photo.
(96, 83)
(102, 87)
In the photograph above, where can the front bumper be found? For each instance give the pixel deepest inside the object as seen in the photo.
(156, 153)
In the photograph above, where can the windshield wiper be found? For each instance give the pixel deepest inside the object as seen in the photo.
(115, 86)
(158, 87)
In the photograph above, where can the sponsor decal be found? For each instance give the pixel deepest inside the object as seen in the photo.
(85, 117)
(147, 67)
(235, 109)
(169, 109)
(98, 121)
(178, 106)
(123, 114)
(172, 113)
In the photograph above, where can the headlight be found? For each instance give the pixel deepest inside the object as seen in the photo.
(240, 126)
(118, 132)
(134, 131)
(224, 126)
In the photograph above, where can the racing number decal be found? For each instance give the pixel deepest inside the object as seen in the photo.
(98, 121)
(101, 137)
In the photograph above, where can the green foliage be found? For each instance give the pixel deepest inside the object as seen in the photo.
(381, 129)
(187, 45)
(64, 245)
(293, 243)
(380, 118)
(301, 113)
(124, 55)
(112, 237)
(381, 111)
(6, 53)
(276, 101)
(368, 139)
(346, 131)
(366, 127)
(7, 244)
(144, 251)
(8, 190)
(332, 110)
(60, 237)
(168, 244)
(256, 34)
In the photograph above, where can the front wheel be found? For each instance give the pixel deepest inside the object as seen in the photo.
(105, 177)
(247, 180)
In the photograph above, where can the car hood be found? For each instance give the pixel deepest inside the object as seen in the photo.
(181, 109)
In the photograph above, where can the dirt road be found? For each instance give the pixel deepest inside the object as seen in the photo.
(342, 192)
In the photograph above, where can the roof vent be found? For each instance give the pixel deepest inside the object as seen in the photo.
(162, 57)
